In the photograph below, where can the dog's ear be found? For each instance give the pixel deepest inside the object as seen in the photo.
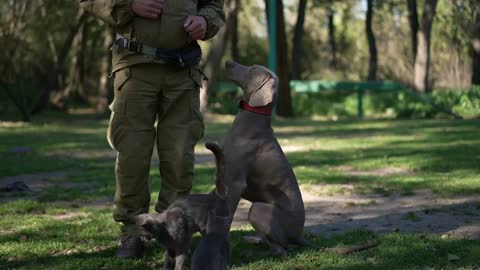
(173, 214)
(175, 220)
(146, 222)
(264, 93)
(152, 223)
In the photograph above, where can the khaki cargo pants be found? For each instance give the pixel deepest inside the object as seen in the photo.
(143, 94)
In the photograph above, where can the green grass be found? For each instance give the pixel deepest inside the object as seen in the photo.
(33, 240)
(54, 230)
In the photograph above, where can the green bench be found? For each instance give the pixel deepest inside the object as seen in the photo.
(315, 86)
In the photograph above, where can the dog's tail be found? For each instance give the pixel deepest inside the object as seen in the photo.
(220, 163)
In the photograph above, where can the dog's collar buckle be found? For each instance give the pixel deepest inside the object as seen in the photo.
(265, 110)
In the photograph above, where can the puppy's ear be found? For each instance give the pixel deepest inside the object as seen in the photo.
(173, 214)
(264, 93)
(175, 220)
(146, 222)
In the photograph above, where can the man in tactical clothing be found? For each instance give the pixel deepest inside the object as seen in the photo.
(155, 59)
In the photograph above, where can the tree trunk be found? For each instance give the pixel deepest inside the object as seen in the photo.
(331, 37)
(61, 58)
(74, 86)
(413, 21)
(105, 86)
(284, 103)
(82, 58)
(422, 62)
(216, 54)
(476, 48)
(297, 52)
(234, 32)
(372, 46)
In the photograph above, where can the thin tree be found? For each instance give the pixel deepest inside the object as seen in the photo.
(234, 40)
(331, 36)
(297, 51)
(422, 61)
(75, 80)
(476, 47)
(284, 103)
(372, 46)
(413, 21)
(216, 54)
(60, 58)
(105, 86)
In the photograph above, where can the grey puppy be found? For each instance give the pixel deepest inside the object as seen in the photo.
(213, 250)
(174, 227)
(256, 167)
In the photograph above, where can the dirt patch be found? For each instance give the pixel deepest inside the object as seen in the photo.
(67, 216)
(328, 189)
(422, 212)
(387, 171)
(6, 232)
(85, 154)
(218, 118)
(8, 124)
(38, 181)
(98, 203)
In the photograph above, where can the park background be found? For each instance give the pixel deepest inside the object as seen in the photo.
(405, 175)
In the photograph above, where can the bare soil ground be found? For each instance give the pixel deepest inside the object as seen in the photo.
(423, 211)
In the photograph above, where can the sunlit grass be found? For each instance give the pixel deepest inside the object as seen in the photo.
(42, 237)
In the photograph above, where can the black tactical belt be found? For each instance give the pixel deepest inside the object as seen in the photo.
(184, 57)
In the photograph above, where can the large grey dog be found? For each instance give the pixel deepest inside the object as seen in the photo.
(256, 167)
(205, 213)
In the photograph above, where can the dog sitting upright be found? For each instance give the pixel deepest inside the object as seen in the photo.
(256, 167)
(174, 227)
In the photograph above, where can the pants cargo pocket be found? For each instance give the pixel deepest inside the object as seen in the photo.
(197, 127)
(197, 77)
(116, 129)
(121, 77)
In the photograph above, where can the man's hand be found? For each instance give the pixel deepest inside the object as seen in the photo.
(150, 9)
(196, 26)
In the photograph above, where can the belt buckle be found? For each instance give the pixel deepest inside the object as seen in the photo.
(135, 46)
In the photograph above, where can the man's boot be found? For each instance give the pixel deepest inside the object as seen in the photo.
(132, 247)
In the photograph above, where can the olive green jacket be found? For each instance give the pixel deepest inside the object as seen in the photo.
(166, 32)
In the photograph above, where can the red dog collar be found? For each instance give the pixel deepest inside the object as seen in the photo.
(266, 110)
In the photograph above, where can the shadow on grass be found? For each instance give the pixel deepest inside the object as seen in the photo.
(396, 251)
